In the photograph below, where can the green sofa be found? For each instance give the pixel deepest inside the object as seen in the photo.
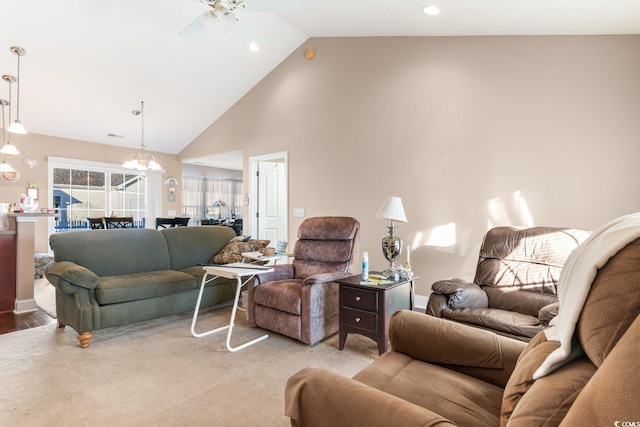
(106, 278)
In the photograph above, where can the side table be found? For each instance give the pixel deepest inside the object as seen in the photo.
(366, 309)
(236, 271)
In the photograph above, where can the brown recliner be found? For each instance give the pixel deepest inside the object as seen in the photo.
(300, 300)
(514, 289)
(447, 373)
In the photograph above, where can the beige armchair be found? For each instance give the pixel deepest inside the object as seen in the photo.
(447, 373)
(300, 300)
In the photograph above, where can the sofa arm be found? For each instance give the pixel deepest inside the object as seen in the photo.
(482, 354)
(61, 274)
(318, 397)
(437, 303)
(461, 293)
(548, 312)
(325, 278)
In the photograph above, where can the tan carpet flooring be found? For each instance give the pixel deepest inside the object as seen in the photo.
(156, 373)
(45, 295)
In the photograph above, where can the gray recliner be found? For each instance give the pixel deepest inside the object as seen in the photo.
(514, 289)
(300, 300)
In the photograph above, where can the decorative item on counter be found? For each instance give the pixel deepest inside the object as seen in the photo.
(27, 204)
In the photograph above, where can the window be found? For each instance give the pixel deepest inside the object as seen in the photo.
(82, 192)
(199, 194)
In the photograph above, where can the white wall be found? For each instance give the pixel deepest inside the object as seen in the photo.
(471, 132)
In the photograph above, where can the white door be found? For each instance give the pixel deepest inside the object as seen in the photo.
(272, 201)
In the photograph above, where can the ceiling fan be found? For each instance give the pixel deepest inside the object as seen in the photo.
(227, 15)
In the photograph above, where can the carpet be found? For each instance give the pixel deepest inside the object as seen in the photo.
(157, 373)
(45, 295)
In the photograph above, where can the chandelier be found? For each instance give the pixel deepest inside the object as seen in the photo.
(141, 160)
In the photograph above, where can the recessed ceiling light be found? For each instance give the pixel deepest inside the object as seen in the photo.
(431, 10)
(254, 47)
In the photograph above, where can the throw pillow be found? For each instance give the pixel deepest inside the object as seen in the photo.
(232, 251)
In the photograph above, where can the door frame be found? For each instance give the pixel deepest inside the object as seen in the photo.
(253, 189)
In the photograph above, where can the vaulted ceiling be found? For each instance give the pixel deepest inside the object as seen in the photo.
(89, 63)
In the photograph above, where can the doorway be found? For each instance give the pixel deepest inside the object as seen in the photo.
(268, 202)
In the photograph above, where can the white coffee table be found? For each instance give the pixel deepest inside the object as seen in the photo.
(236, 271)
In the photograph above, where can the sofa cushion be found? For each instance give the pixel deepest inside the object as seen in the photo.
(465, 400)
(232, 251)
(509, 322)
(549, 398)
(516, 299)
(189, 246)
(283, 295)
(113, 252)
(138, 286)
(522, 377)
(613, 303)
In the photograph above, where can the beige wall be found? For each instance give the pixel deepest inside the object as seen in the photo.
(471, 132)
(39, 147)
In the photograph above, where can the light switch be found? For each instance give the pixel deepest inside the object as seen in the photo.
(298, 213)
(171, 213)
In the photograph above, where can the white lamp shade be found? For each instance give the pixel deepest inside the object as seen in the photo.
(5, 167)
(17, 127)
(9, 150)
(392, 209)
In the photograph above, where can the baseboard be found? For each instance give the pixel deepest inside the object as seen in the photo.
(25, 306)
(420, 302)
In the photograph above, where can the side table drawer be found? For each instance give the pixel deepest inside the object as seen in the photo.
(359, 298)
(360, 319)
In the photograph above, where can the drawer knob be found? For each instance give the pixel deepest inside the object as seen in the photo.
(357, 298)
(357, 320)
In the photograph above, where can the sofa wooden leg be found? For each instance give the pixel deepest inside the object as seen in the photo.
(85, 339)
(61, 325)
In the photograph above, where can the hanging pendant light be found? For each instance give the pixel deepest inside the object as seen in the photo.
(141, 160)
(4, 166)
(8, 149)
(17, 127)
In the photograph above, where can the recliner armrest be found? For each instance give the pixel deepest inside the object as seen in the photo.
(319, 397)
(461, 347)
(325, 278)
(280, 272)
(462, 294)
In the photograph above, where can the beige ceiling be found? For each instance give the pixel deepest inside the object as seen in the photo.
(89, 63)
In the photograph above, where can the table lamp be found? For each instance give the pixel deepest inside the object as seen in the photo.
(391, 245)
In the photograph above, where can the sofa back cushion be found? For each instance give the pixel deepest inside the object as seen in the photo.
(112, 252)
(529, 258)
(189, 246)
(547, 400)
(612, 305)
(326, 245)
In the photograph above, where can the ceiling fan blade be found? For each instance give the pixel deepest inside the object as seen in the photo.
(272, 5)
(195, 27)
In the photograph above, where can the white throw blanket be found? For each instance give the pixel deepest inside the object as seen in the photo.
(575, 281)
